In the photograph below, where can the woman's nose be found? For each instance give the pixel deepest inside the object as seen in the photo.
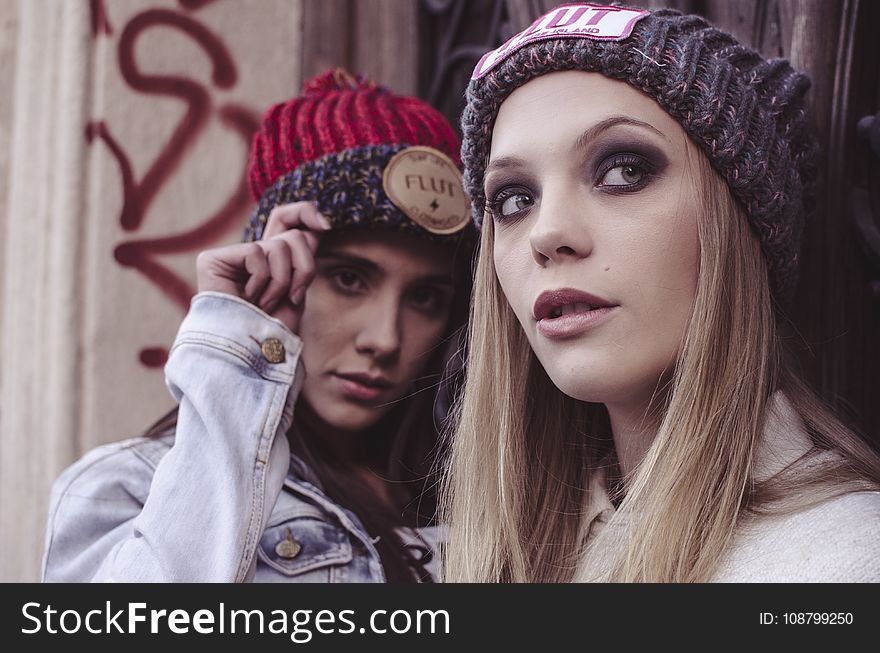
(380, 334)
(561, 228)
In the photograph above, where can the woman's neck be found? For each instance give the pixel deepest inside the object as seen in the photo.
(634, 427)
(345, 445)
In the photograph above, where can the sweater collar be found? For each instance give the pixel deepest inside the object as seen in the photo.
(783, 441)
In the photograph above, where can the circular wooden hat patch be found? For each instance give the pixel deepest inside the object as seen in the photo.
(426, 185)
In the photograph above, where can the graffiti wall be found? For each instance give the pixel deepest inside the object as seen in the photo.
(183, 89)
(128, 144)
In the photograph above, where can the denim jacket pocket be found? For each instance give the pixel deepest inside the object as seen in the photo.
(304, 544)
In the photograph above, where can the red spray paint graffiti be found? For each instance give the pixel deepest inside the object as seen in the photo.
(100, 23)
(139, 194)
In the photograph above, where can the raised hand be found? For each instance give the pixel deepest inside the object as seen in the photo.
(272, 273)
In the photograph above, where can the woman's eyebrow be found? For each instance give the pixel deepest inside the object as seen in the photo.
(582, 141)
(371, 266)
(351, 259)
(437, 279)
(613, 121)
(502, 163)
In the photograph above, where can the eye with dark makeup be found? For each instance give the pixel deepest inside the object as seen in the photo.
(428, 299)
(624, 173)
(614, 168)
(345, 280)
(509, 201)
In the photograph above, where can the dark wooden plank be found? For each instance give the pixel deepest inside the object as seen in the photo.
(815, 45)
(833, 312)
(453, 35)
(386, 42)
(524, 12)
(327, 36)
(745, 20)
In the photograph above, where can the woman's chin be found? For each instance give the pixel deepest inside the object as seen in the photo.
(609, 386)
(584, 380)
(323, 413)
(350, 417)
(591, 392)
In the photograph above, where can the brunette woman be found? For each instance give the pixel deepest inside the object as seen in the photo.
(304, 444)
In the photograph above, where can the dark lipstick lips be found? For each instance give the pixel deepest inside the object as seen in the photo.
(367, 380)
(550, 301)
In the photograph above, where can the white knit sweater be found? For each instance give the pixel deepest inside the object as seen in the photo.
(835, 541)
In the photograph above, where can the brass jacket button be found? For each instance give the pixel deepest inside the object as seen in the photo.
(288, 548)
(273, 350)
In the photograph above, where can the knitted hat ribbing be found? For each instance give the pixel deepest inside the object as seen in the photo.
(331, 145)
(747, 114)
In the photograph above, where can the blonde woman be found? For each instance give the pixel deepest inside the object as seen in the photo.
(641, 180)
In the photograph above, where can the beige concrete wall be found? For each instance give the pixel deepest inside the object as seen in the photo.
(8, 28)
(93, 99)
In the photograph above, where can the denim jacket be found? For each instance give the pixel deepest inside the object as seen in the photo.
(221, 499)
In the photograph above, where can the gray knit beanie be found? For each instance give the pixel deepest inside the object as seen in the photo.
(746, 113)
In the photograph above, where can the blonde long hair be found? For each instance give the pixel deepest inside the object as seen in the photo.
(522, 453)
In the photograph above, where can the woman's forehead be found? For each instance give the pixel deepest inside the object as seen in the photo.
(564, 105)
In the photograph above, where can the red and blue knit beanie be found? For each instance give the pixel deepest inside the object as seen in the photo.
(366, 157)
(747, 114)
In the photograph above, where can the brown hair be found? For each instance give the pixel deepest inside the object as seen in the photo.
(403, 446)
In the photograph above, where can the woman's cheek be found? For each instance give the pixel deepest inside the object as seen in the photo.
(511, 272)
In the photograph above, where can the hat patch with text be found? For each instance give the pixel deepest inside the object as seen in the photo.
(567, 21)
(426, 185)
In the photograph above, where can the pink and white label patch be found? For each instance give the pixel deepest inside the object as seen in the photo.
(567, 21)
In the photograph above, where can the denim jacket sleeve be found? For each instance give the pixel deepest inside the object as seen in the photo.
(236, 373)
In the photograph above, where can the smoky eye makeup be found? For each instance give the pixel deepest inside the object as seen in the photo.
(509, 195)
(616, 164)
(624, 165)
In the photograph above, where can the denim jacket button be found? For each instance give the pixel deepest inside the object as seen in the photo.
(273, 350)
(288, 548)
